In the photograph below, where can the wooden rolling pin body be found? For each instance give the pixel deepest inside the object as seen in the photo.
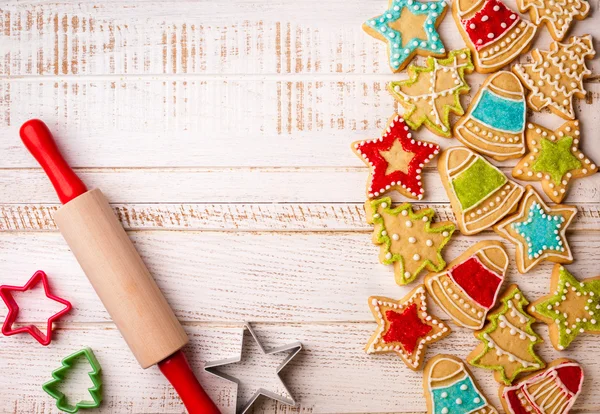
(120, 278)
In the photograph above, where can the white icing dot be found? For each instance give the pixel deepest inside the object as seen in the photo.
(429, 242)
(408, 223)
(416, 257)
(412, 240)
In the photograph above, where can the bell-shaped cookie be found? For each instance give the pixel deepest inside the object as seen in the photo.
(469, 286)
(480, 194)
(494, 124)
(495, 34)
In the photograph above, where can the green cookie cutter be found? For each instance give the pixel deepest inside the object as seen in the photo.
(58, 375)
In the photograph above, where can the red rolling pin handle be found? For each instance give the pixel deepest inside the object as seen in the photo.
(37, 138)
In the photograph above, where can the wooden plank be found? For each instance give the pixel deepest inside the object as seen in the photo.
(332, 374)
(140, 37)
(236, 185)
(216, 276)
(242, 217)
(219, 123)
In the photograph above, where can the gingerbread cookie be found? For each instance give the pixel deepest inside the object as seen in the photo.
(572, 307)
(551, 391)
(469, 286)
(408, 240)
(480, 194)
(538, 231)
(494, 124)
(556, 14)
(507, 340)
(396, 160)
(405, 327)
(409, 29)
(451, 389)
(494, 33)
(557, 75)
(433, 92)
(554, 159)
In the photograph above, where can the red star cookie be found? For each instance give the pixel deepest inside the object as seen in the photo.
(405, 327)
(396, 160)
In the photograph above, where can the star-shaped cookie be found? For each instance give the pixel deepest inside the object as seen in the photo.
(408, 240)
(405, 327)
(554, 159)
(409, 28)
(538, 231)
(396, 160)
(572, 308)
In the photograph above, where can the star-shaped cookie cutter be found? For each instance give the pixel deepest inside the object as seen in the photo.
(294, 348)
(13, 309)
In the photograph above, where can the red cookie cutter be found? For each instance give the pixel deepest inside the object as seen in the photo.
(13, 309)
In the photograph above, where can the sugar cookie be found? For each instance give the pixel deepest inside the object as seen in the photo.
(495, 33)
(557, 75)
(538, 231)
(556, 14)
(553, 390)
(494, 124)
(451, 389)
(572, 307)
(408, 239)
(554, 159)
(433, 92)
(409, 29)
(469, 286)
(507, 340)
(405, 327)
(396, 160)
(480, 194)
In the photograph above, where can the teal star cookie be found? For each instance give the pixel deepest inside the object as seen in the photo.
(572, 308)
(409, 28)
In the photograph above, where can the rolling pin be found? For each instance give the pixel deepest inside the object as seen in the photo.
(117, 272)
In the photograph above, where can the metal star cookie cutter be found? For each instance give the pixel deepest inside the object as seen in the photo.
(295, 348)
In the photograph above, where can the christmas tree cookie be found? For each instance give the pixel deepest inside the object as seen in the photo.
(480, 194)
(494, 124)
(467, 289)
(433, 92)
(556, 14)
(556, 76)
(451, 389)
(507, 340)
(572, 307)
(409, 29)
(495, 33)
(538, 231)
(405, 327)
(408, 239)
(396, 160)
(554, 159)
(553, 390)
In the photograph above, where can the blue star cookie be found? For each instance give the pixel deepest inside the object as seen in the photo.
(538, 231)
(409, 28)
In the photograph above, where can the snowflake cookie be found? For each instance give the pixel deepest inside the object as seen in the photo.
(405, 327)
(408, 239)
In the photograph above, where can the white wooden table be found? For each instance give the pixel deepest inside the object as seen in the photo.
(221, 133)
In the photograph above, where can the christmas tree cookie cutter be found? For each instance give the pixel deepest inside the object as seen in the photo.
(13, 309)
(293, 349)
(58, 375)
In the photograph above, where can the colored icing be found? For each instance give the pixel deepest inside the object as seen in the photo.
(396, 160)
(540, 229)
(405, 327)
(435, 108)
(476, 183)
(500, 113)
(512, 307)
(490, 23)
(477, 281)
(556, 158)
(461, 397)
(572, 314)
(402, 49)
